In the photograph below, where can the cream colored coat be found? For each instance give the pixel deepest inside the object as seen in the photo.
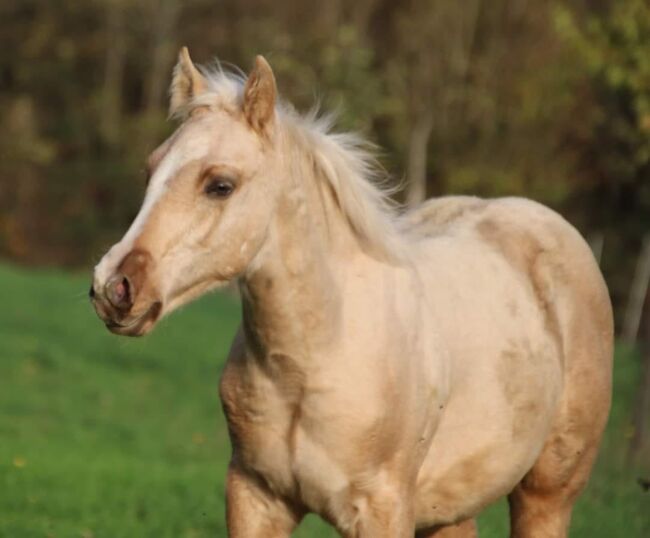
(390, 374)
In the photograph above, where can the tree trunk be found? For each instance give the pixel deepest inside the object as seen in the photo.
(417, 158)
(111, 111)
(164, 14)
(638, 292)
(639, 449)
(597, 242)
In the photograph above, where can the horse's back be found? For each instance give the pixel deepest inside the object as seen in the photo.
(538, 244)
(530, 342)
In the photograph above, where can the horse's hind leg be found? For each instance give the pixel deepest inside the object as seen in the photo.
(465, 529)
(541, 510)
(541, 504)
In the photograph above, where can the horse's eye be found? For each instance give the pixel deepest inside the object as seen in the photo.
(219, 188)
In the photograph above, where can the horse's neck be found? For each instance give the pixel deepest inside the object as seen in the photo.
(290, 294)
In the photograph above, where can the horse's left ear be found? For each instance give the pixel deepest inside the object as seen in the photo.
(187, 82)
(259, 96)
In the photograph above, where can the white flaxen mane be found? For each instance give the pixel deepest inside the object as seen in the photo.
(346, 161)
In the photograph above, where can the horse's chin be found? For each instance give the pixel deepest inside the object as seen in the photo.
(176, 299)
(138, 325)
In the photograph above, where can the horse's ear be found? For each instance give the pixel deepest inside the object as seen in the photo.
(259, 96)
(187, 82)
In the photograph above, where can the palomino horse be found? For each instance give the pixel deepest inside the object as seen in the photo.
(393, 373)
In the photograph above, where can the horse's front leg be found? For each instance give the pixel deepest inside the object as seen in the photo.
(381, 516)
(254, 512)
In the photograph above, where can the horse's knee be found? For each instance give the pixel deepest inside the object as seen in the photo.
(378, 515)
(465, 529)
(253, 512)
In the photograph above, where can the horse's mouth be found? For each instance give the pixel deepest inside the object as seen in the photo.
(137, 326)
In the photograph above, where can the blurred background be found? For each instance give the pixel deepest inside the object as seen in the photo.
(545, 99)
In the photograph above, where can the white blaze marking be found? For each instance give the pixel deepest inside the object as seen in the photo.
(167, 169)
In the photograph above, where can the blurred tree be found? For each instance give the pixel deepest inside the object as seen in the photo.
(163, 49)
(609, 135)
(429, 65)
(114, 64)
(548, 100)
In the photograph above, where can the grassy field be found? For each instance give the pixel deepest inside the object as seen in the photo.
(102, 436)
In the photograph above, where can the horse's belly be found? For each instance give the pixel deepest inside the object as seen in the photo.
(506, 379)
(462, 486)
(490, 435)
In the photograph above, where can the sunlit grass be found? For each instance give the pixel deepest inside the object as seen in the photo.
(102, 436)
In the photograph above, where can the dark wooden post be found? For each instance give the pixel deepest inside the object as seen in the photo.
(639, 449)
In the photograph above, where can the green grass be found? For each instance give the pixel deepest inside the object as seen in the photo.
(103, 436)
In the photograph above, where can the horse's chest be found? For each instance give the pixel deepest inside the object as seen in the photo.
(273, 435)
(265, 424)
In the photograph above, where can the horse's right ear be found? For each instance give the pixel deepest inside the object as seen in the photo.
(260, 94)
(187, 82)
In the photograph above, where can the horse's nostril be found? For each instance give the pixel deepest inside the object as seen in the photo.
(118, 292)
(91, 292)
(123, 288)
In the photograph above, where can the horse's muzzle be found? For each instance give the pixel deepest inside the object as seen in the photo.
(122, 302)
